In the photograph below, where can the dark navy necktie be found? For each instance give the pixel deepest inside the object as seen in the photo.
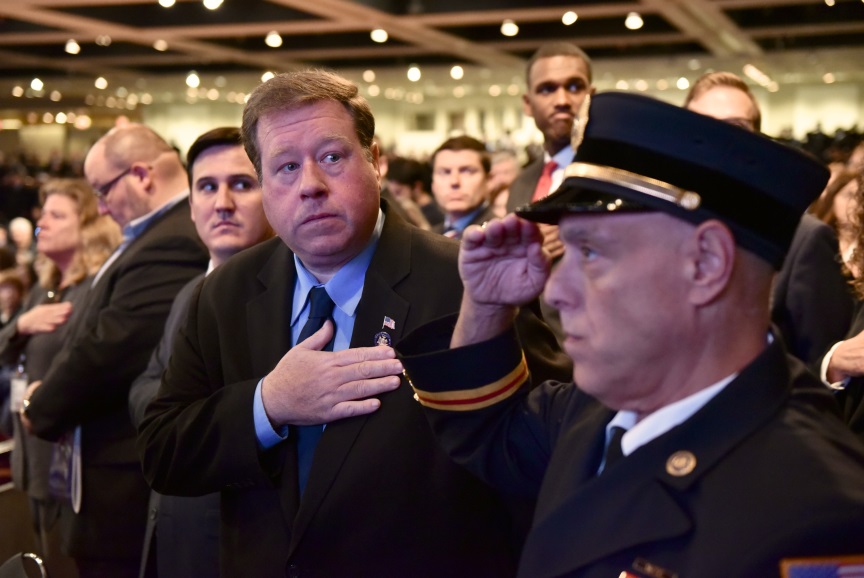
(614, 453)
(320, 310)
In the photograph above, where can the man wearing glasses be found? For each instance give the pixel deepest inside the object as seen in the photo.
(141, 183)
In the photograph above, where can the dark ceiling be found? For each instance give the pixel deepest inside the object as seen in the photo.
(335, 33)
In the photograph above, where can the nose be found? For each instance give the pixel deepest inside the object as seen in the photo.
(561, 291)
(225, 199)
(561, 97)
(312, 181)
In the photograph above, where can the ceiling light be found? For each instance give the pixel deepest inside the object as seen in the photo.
(513, 89)
(641, 85)
(83, 122)
(273, 40)
(37, 84)
(662, 84)
(146, 98)
(509, 28)
(633, 21)
(221, 81)
(103, 40)
(55, 96)
(368, 76)
(757, 75)
(569, 18)
(267, 76)
(828, 78)
(160, 45)
(682, 83)
(457, 72)
(374, 90)
(829, 2)
(459, 92)
(72, 47)
(494, 90)
(414, 73)
(101, 83)
(212, 4)
(60, 118)
(622, 85)
(166, 3)
(193, 80)
(47, 118)
(379, 35)
(18, 91)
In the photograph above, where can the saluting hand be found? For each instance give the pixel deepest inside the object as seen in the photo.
(503, 262)
(44, 318)
(309, 386)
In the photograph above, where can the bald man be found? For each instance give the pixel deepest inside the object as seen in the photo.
(140, 182)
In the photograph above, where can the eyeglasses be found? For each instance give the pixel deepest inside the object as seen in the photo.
(105, 190)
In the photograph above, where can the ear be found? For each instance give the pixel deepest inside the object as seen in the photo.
(526, 105)
(711, 261)
(143, 173)
(376, 155)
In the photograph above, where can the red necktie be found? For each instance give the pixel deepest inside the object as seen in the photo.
(545, 182)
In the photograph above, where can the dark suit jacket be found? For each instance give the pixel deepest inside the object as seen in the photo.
(110, 341)
(851, 399)
(522, 188)
(811, 301)
(785, 478)
(487, 214)
(186, 528)
(382, 499)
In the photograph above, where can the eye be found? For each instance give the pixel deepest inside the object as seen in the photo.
(289, 167)
(546, 88)
(244, 185)
(332, 158)
(587, 252)
(575, 86)
(207, 187)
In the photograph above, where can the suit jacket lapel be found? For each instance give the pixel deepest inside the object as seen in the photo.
(271, 309)
(389, 265)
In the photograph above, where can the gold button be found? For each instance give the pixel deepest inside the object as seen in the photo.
(680, 463)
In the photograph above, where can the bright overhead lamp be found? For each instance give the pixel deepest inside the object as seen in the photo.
(457, 72)
(273, 40)
(101, 83)
(267, 76)
(379, 35)
(633, 21)
(37, 84)
(682, 83)
(569, 18)
(193, 80)
(414, 73)
(369, 76)
(509, 28)
(166, 3)
(212, 4)
(103, 40)
(72, 47)
(160, 45)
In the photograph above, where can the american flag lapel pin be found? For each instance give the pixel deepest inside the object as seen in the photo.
(382, 337)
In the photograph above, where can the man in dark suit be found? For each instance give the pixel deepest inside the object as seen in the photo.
(811, 302)
(225, 199)
(689, 442)
(140, 181)
(460, 184)
(371, 495)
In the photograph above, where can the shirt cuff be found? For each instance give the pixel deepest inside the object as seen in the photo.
(823, 370)
(267, 436)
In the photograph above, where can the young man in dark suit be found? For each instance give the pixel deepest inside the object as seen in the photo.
(247, 394)
(140, 181)
(688, 443)
(460, 183)
(182, 537)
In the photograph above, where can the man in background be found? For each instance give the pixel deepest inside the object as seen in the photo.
(182, 538)
(811, 301)
(140, 182)
(460, 184)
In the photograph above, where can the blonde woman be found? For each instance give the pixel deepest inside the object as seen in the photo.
(73, 241)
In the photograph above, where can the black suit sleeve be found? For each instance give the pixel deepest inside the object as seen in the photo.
(195, 424)
(91, 377)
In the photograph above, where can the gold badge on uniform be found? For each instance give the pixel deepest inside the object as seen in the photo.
(680, 463)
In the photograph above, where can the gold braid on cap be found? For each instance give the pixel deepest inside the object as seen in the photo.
(635, 182)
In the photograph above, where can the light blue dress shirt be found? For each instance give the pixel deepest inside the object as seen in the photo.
(345, 289)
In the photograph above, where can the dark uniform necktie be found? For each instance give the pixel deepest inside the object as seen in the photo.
(614, 453)
(320, 310)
